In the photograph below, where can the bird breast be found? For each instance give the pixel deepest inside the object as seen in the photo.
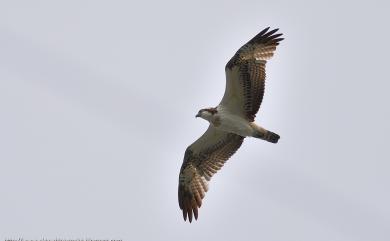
(232, 123)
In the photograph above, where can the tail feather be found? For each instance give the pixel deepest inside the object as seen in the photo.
(267, 136)
(271, 137)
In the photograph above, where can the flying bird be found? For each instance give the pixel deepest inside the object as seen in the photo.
(230, 122)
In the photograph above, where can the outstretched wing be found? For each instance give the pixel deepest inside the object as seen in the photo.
(202, 159)
(245, 74)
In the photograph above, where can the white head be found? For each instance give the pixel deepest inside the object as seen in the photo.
(207, 113)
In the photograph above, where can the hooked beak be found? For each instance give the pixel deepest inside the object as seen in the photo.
(197, 115)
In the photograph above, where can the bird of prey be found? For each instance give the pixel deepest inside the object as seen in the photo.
(230, 122)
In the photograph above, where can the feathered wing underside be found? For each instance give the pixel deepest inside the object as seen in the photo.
(202, 160)
(245, 74)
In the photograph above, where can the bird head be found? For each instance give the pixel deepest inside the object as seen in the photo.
(206, 113)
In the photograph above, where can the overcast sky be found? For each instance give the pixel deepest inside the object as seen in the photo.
(97, 105)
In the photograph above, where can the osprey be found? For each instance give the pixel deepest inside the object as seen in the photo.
(230, 122)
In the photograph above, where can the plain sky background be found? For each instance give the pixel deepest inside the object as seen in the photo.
(97, 105)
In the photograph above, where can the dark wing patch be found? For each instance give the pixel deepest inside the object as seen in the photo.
(247, 68)
(252, 76)
(200, 163)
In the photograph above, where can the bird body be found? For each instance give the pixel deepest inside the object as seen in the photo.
(230, 122)
(227, 121)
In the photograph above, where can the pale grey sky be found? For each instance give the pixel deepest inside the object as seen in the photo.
(97, 105)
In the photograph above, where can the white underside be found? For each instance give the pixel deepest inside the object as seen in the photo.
(234, 123)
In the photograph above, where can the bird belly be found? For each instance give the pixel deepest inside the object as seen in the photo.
(235, 124)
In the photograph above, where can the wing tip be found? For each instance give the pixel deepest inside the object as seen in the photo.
(267, 36)
(190, 212)
(189, 206)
